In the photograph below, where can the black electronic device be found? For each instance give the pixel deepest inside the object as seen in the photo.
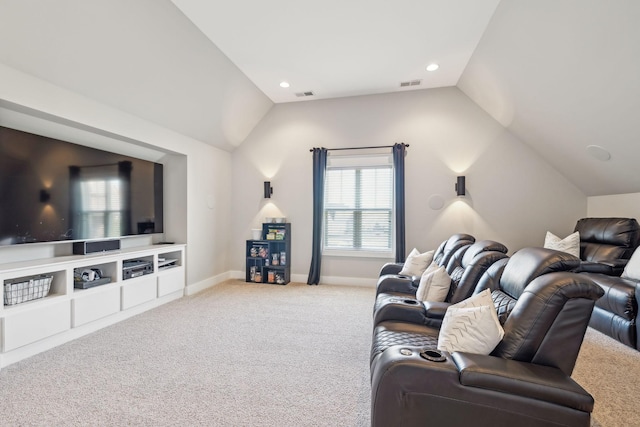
(93, 246)
(136, 268)
(83, 193)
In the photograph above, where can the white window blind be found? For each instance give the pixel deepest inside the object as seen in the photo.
(358, 204)
(101, 206)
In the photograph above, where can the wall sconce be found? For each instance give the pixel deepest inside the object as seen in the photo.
(268, 191)
(460, 186)
(44, 196)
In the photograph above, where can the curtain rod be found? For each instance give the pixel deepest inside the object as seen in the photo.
(360, 148)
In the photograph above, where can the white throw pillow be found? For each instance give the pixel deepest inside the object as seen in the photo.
(416, 263)
(632, 269)
(470, 329)
(570, 244)
(434, 285)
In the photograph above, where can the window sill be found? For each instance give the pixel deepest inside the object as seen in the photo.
(357, 254)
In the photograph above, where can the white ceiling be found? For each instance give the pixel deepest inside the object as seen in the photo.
(338, 48)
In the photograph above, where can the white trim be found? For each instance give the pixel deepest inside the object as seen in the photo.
(335, 280)
(358, 254)
(207, 283)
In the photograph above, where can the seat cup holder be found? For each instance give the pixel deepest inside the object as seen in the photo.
(433, 355)
(410, 301)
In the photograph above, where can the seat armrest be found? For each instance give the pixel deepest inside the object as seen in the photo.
(523, 379)
(613, 267)
(398, 308)
(392, 283)
(434, 313)
(391, 268)
(436, 310)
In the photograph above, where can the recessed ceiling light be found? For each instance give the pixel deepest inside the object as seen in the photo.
(284, 84)
(432, 67)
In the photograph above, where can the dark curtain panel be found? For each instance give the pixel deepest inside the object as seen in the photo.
(399, 151)
(319, 166)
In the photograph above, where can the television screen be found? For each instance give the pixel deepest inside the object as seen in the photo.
(52, 190)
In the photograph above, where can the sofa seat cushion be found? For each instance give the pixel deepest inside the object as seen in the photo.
(391, 333)
(619, 295)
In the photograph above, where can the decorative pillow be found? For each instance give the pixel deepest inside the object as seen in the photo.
(470, 329)
(416, 263)
(632, 269)
(434, 285)
(570, 244)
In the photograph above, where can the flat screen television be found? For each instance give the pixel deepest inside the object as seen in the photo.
(52, 190)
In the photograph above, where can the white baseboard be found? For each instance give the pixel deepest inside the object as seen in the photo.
(336, 280)
(302, 278)
(207, 283)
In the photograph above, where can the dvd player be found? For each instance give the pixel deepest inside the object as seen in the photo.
(136, 268)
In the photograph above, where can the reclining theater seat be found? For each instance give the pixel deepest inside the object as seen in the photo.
(616, 313)
(465, 268)
(606, 244)
(506, 281)
(441, 256)
(524, 382)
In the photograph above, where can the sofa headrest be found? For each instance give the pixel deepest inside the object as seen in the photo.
(447, 248)
(482, 246)
(611, 231)
(529, 263)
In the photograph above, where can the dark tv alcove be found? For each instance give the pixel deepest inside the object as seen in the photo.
(52, 190)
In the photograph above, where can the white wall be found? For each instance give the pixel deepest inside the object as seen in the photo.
(513, 196)
(197, 197)
(616, 205)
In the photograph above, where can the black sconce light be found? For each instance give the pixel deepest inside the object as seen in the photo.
(460, 186)
(268, 191)
(44, 196)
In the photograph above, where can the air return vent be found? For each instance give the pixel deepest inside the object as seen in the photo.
(301, 94)
(411, 83)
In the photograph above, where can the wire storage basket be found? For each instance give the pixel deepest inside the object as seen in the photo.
(26, 289)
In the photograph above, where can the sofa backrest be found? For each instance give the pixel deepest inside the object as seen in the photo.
(445, 251)
(605, 239)
(507, 279)
(466, 268)
(549, 320)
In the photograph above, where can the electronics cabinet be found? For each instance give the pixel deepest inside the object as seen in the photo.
(269, 259)
(69, 311)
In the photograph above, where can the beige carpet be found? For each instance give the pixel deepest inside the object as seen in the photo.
(610, 371)
(247, 354)
(238, 354)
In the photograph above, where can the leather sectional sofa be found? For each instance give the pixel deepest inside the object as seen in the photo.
(525, 381)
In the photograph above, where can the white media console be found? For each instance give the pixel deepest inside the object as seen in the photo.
(67, 313)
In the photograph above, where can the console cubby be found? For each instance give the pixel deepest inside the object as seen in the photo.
(108, 270)
(168, 260)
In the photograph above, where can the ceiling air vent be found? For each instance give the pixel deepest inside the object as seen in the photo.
(411, 83)
(301, 94)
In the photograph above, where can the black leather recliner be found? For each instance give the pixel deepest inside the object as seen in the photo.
(465, 268)
(416, 326)
(390, 279)
(606, 244)
(525, 381)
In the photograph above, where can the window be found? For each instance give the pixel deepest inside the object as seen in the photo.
(358, 205)
(101, 208)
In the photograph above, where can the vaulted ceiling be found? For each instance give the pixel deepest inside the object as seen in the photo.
(561, 75)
